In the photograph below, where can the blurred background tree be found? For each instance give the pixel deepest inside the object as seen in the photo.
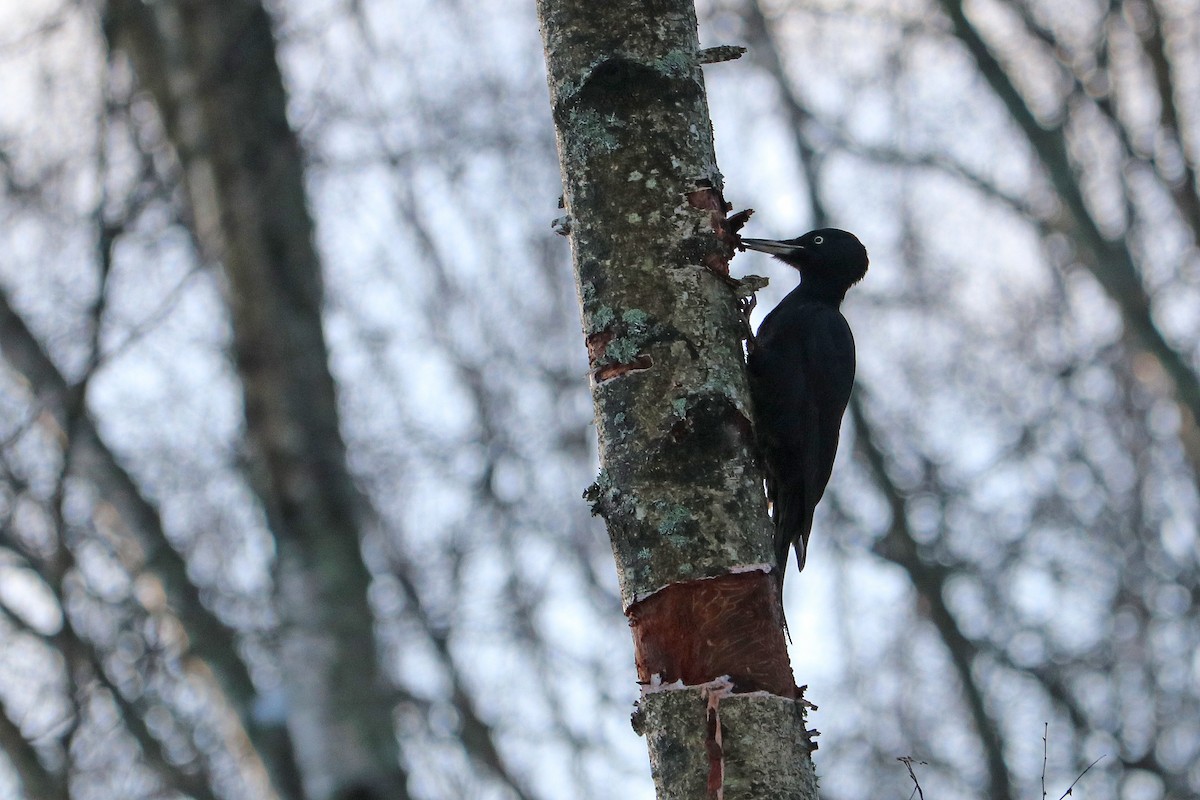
(1011, 532)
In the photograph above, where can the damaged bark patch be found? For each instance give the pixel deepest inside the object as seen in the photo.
(697, 631)
(616, 370)
(707, 197)
(606, 365)
(618, 348)
(713, 693)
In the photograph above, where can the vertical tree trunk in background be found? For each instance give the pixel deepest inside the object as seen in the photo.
(678, 486)
(211, 68)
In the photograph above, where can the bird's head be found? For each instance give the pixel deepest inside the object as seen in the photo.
(829, 257)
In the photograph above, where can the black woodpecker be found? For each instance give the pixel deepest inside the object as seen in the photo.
(801, 365)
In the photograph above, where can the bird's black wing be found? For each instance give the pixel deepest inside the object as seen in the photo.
(801, 371)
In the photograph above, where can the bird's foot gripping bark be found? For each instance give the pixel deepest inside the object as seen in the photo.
(747, 286)
(746, 289)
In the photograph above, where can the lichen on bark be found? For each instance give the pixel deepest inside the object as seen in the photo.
(678, 487)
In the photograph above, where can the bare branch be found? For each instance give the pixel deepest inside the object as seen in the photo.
(1110, 262)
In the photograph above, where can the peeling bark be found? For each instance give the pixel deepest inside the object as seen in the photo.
(679, 486)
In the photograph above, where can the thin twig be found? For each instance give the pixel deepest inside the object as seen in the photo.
(1071, 788)
(1045, 753)
(908, 762)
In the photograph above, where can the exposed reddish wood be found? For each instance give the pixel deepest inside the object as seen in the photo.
(709, 198)
(613, 370)
(596, 343)
(713, 693)
(738, 221)
(700, 630)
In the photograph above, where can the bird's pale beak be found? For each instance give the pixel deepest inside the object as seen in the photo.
(775, 247)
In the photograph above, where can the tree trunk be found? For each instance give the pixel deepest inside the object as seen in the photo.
(679, 487)
(212, 70)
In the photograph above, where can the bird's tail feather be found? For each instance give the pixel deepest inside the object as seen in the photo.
(793, 522)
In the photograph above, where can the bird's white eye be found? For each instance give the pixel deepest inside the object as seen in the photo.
(818, 239)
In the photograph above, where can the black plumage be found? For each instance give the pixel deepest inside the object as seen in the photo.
(801, 365)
